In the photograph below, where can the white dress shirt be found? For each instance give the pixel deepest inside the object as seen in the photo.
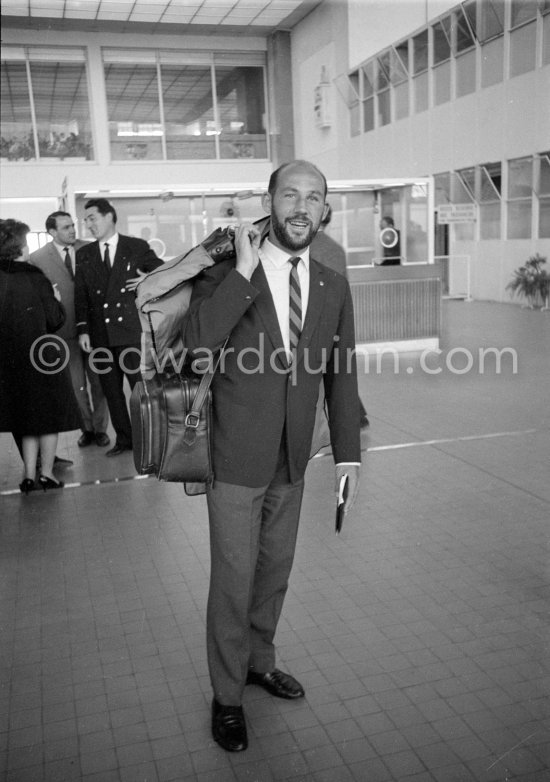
(277, 266)
(61, 250)
(112, 241)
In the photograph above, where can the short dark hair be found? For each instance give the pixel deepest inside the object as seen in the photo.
(103, 206)
(51, 220)
(13, 237)
(274, 178)
(389, 220)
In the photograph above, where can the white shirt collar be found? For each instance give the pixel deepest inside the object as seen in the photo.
(112, 241)
(279, 257)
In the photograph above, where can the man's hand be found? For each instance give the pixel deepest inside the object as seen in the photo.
(56, 292)
(84, 342)
(133, 282)
(352, 471)
(247, 242)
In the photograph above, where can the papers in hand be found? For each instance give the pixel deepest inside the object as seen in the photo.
(342, 497)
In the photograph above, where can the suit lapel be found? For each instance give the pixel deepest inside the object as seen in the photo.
(268, 314)
(315, 306)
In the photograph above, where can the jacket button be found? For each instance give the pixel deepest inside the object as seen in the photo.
(98, 291)
(118, 304)
(123, 290)
(105, 305)
(107, 320)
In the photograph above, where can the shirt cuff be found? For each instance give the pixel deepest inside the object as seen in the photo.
(348, 464)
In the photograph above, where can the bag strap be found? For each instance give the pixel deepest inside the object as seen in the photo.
(193, 417)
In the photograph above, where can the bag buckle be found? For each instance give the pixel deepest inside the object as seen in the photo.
(192, 420)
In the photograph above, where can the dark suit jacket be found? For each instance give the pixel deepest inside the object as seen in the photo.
(48, 259)
(254, 395)
(104, 308)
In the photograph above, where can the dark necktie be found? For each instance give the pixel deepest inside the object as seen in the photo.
(107, 257)
(295, 310)
(67, 262)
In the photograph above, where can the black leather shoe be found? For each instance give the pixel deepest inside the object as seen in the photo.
(118, 449)
(229, 727)
(277, 683)
(364, 422)
(102, 439)
(85, 439)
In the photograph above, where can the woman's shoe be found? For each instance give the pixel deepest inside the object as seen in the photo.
(49, 483)
(27, 485)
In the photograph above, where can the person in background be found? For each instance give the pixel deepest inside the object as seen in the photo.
(329, 252)
(392, 255)
(277, 296)
(105, 308)
(36, 396)
(57, 260)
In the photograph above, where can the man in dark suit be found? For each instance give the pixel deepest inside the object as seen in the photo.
(57, 260)
(326, 250)
(106, 317)
(289, 319)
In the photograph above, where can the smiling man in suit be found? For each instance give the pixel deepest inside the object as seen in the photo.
(57, 260)
(106, 316)
(290, 323)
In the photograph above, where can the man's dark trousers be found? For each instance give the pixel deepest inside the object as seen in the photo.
(125, 362)
(252, 542)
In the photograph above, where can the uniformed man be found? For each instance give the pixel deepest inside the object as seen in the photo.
(107, 320)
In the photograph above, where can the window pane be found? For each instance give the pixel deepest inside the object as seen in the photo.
(368, 114)
(401, 99)
(520, 178)
(355, 119)
(465, 192)
(544, 218)
(466, 73)
(420, 52)
(519, 219)
(544, 175)
(133, 111)
(16, 124)
(523, 49)
(421, 93)
(402, 54)
(241, 112)
(491, 19)
(469, 9)
(490, 182)
(384, 108)
(489, 218)
(442, 40)
(523, 11)
(382, 72)
(546, 40)
(188, 112)
(464, 39)
(442, 83)
(62, 111)
(368, 79)
(492, 62)
(442, 188)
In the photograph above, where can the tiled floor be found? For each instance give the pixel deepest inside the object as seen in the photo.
(421, 633)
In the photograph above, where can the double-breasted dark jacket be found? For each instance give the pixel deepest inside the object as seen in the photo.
(104, 307)
(257, 397)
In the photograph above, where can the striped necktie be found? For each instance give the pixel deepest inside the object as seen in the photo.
(295, 309)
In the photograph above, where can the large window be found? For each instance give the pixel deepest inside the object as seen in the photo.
(543, 193)
(441, 32)
(520, 191)
(420, 71)
(489, 197)
(45, 107)
(167, 106)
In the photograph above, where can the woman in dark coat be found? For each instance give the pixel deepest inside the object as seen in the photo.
(36, 397)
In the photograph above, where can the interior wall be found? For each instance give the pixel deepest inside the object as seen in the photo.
(505, 121)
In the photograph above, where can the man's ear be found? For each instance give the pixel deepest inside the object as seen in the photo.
(266, 202)
(325, 211)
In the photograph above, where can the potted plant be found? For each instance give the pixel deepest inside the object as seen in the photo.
(532, 282)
